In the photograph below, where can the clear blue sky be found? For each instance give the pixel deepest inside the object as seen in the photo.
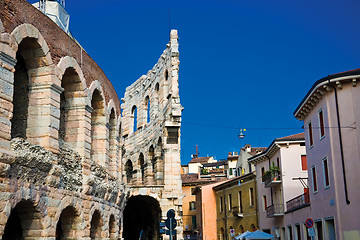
(243, 64)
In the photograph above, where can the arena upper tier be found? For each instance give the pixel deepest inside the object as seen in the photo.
(71, 167)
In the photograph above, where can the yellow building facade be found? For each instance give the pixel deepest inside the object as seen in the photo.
(236, 206)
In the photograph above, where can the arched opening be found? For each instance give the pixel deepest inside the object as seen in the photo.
(129, 171)
(159, 164)
(147, 107)
(142, 213)
(222, 234)
(253, 228)
(166, 74)
(157, 87)
(112, 228)
(134, 116)
(23, 222)
(71, 84)
(19, 120)
(112, 143)
(98, 136)
(69, 224)
(142, 167)
(95, 225)
(152, 159)
(242, 229)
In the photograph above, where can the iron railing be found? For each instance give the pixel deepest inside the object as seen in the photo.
(270, 177)
(275, 210)
(298, 202)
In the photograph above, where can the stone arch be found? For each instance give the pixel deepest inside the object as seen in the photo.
(129, 171)
(24, 221)
(26, 31)
(33, 85)
(112, 142)
(72, 102)
(152, 161)
(147, 109)
(96, 225)
(159, 164)
(98, 125)
(141, 166)
(112, 228)
(69, 224)
(134, 121)
(141, 213)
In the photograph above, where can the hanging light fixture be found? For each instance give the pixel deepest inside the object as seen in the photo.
(241, 134)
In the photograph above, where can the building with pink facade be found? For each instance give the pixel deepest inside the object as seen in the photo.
(282, 193)
(331, 115)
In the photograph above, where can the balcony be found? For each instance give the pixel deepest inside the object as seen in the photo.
(275, 210)
(237, 213)
(271, 178)
(298, 202)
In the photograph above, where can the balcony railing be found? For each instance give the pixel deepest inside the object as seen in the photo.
(298, 202)
(271, 179)
(275, 210)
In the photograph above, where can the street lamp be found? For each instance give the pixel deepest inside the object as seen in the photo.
(241, 134)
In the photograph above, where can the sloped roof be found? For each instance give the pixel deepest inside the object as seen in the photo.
(192, 178)
(255, 150)
(294, 137)
(200, 160)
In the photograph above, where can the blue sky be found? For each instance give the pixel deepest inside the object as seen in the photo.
(243, 64)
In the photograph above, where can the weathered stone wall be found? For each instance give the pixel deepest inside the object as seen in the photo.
(64, 147)
(152, 147)
(59, 132)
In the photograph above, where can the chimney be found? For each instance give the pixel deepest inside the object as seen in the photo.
(247, 148)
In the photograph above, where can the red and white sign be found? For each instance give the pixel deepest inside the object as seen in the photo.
(309, 223)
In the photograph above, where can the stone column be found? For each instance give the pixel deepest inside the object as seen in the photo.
(44, 113)
(7, 64)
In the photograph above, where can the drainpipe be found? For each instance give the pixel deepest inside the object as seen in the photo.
(225, 212)
(341, 144)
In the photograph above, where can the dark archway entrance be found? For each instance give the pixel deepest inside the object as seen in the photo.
(141, 213)
(22, 222)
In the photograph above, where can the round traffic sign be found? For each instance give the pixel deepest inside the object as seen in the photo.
(173, 224)
(170, 213)
(309, 223)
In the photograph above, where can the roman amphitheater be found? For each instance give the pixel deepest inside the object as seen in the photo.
(77, 162)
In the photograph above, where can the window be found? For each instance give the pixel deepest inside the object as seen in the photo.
(314, 180)
(230, 202)
(318, 230)
(303, 163)
(251, 190)
(289, 231)
(297, 232)
(310, 134)
(326, 173)
(221, 204)
(321, 124)
(262, 174)
(192, 191)
(264, 203)
(240, 203)
(192, 206)
(173, 135)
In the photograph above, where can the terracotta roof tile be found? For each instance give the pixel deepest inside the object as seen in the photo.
(298, 136)
(200, 160)
(255, 150)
